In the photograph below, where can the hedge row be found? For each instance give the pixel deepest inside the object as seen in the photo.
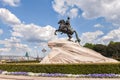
(30, 61)
(64, 68)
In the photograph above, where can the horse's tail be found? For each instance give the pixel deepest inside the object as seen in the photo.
(78, 40)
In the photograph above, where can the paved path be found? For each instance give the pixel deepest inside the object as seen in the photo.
(12, 77)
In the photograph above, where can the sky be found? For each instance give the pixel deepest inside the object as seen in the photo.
(28, 25)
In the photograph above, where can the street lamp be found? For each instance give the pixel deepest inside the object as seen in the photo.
(44, 50)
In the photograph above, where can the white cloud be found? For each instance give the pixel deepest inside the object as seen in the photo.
(13, 40)
(30, 32)
(97, 37)
(65, 7)
(113, 35)
(16, 34)
(4, 50)
(13, 46)
(60, 6)
(1, 31)
(34, 33)
(7, 17)
(23, 33)
(73, 13)
(13, 3)
(90, 37)
(108, 9)
(98, 26)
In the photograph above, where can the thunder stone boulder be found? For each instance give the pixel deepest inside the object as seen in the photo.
(67, 52)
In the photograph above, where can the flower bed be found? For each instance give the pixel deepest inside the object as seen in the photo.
(61, 75)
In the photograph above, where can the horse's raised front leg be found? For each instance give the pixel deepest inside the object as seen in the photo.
(56, 31)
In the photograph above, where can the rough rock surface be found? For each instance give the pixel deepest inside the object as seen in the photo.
(66, 52)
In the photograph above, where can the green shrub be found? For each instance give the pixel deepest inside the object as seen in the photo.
(30, 61)
(63, 68)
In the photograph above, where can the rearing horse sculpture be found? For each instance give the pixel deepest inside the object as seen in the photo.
(67, 30)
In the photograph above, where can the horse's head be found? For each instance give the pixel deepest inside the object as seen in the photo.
(61, 22)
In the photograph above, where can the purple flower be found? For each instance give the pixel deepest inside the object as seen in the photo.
(19, 73)
(61, 75)
(1, 71)
(102, 75)
(52, 75)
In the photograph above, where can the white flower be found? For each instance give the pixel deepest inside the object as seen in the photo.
(31, 74)
(69, 75)
(4, 72)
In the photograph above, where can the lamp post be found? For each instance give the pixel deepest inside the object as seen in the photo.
(44, 50)
(1, 51)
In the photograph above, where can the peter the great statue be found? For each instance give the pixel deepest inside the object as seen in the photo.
(65, 27)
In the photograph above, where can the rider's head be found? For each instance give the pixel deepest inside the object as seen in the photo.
(68, 18)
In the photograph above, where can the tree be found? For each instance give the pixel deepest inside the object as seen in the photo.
(89, 45)
(114, 49)
(117, 45)
(111, 42)
(26, 55)
(111, 50)
(100, 48)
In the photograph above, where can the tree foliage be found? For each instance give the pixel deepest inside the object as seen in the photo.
(100, 48)
(110, 50)
(89, 45)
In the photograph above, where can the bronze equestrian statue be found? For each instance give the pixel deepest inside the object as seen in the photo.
(65, 27)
